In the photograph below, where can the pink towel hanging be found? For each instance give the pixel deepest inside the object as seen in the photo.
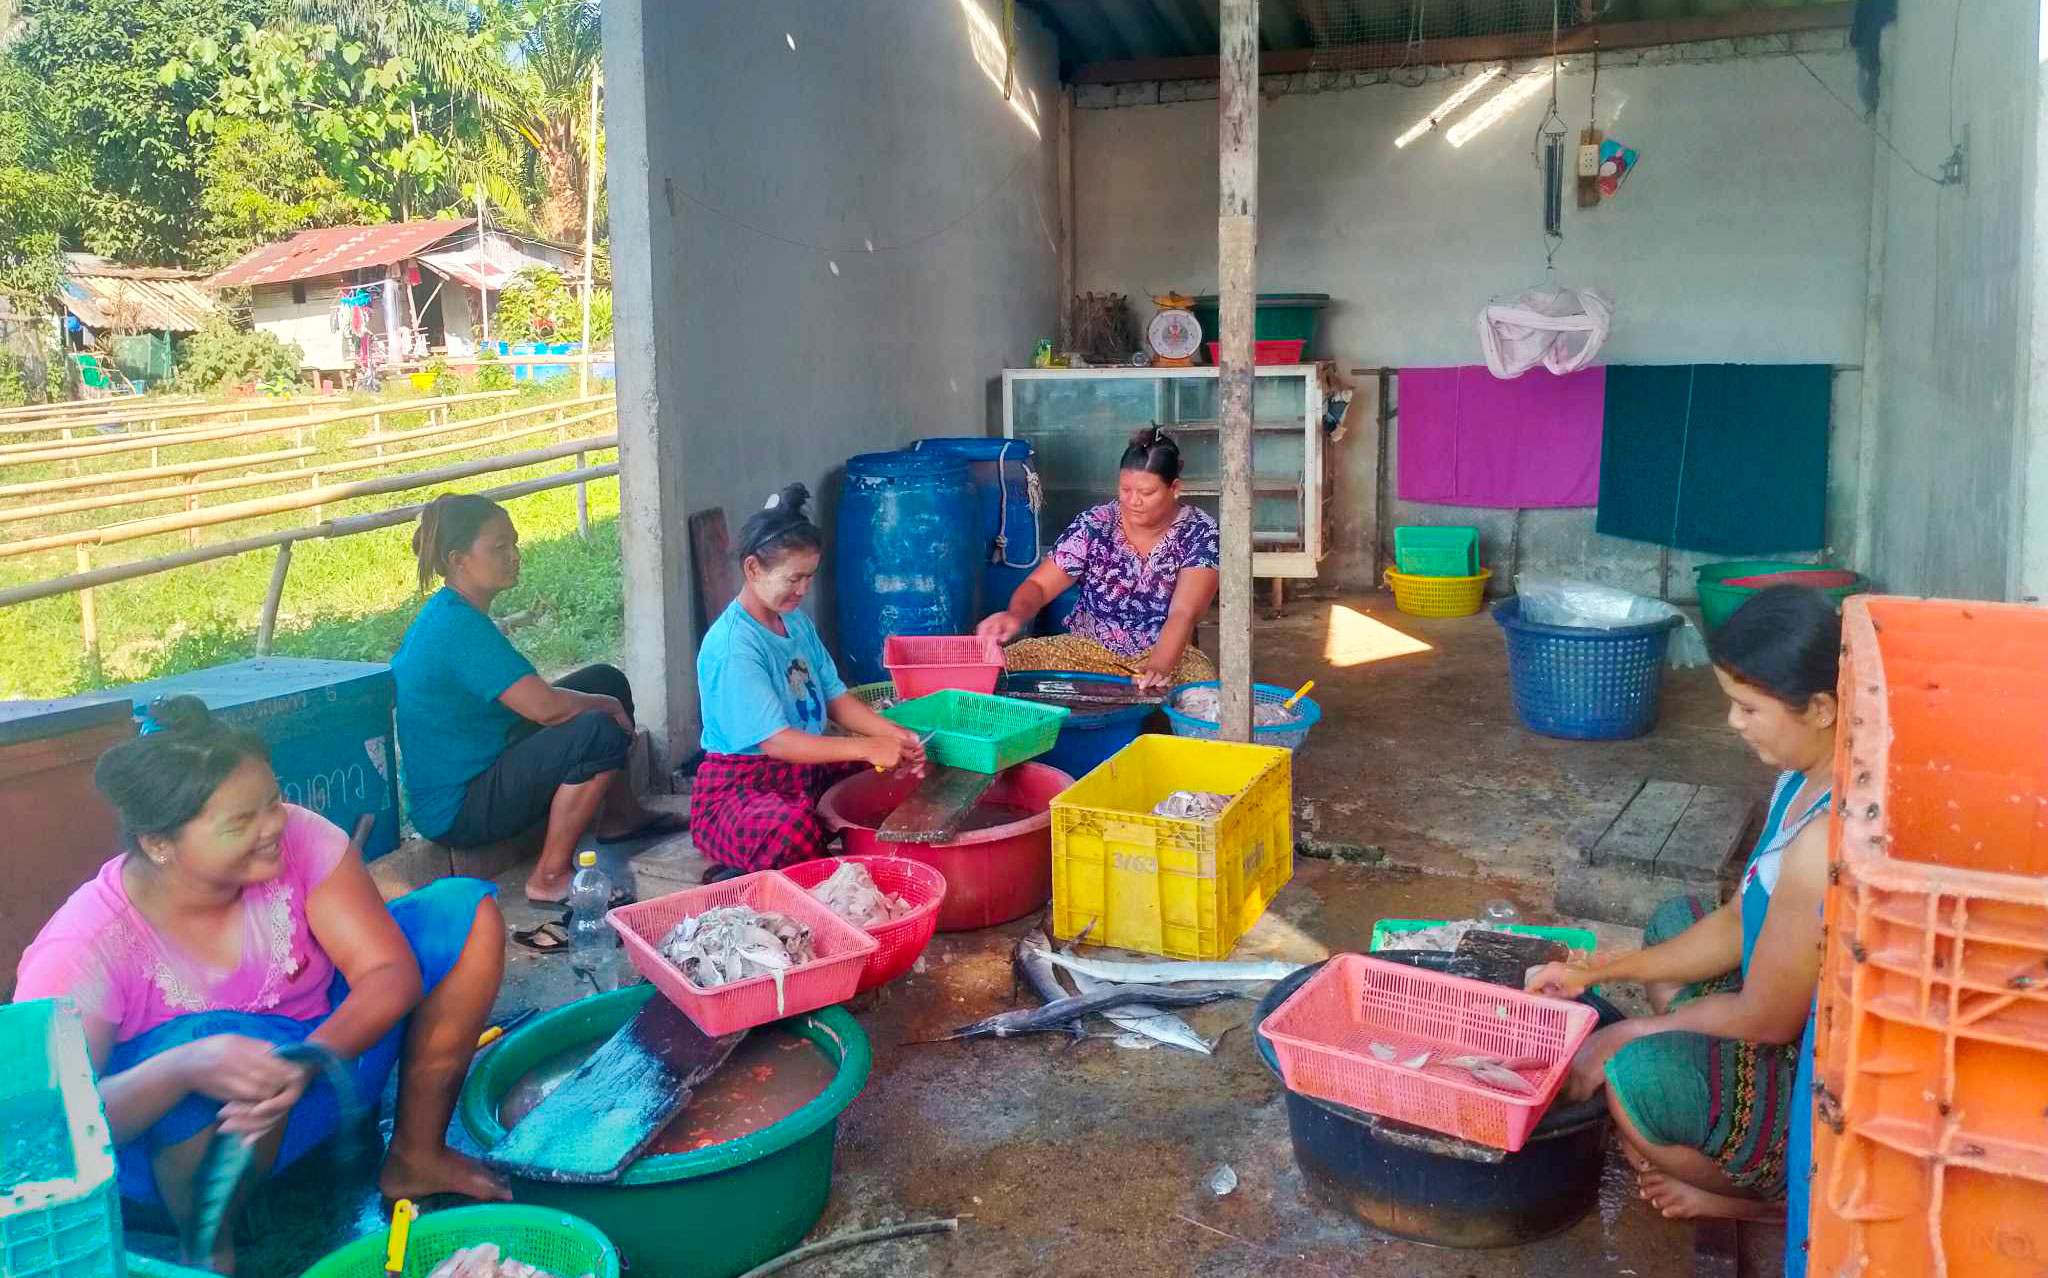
(1468, 438)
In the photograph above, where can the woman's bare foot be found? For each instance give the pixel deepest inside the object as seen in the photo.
(439, 1171)
(1678, 1200)
(543, 889)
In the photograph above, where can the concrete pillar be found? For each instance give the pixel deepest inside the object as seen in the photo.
(661, 648)
(2027, 564)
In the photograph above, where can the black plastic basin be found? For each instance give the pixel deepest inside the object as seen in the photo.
(1421, 1185)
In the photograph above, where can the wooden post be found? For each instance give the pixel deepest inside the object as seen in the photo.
(191, 503)
(589, 248)
(1237, 250)
(582, 501)
(377, 428)
(88, 616)
(266, 627)
(1065, 336)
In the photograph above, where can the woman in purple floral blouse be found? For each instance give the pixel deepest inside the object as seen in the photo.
(1146, 566)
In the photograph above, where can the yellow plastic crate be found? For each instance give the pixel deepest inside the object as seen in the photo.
(1183, 889)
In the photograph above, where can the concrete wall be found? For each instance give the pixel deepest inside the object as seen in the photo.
(309, 323)
(1951, 461)
(760, 339)
(1742, 237)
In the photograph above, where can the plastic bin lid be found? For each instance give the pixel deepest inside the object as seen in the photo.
(259, 679)
(23, 721)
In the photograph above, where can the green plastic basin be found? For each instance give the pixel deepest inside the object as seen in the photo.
(1718, 601)
(708, 1213)
(1277, 317)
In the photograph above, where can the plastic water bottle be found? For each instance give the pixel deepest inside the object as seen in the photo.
(592, 945)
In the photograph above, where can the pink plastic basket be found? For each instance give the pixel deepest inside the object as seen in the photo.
(933, 663)
(843, 951)
(898, 943)
(1320, 1036)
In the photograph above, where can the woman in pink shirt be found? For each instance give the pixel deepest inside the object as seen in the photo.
(234, 923)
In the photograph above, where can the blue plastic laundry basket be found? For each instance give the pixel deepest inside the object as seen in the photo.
(1584, 684)
(1292, 735)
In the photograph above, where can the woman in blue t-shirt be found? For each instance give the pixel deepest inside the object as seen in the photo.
(767, 689)
(489, 748)
(1703, 1092)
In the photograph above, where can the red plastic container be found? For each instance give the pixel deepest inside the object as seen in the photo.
(922, 664)
(1321, 1037)
(898, 943)
(832, 977)
(1265, 352)
(992, 876)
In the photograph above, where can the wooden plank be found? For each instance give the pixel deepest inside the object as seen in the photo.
(1638, 835)
(711, 564)
(937, 809)
(1599, 812)
(589, 1129)
(1715, 828)
(1606, 36)
(1502, 958)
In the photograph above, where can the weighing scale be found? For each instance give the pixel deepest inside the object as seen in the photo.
(1173, 333)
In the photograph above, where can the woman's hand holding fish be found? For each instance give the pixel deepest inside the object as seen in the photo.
(913, 749)
(1559, 980)
(254, 1118)
(235, 1068)
(883, 752)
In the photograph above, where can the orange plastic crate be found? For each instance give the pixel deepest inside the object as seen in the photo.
(1321, 1035)
(832, 977)
(1931, 1113)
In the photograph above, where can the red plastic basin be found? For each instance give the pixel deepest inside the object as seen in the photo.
(993, 875)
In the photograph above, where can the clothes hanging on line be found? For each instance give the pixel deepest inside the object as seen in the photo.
(1468, 438)
(1729, 459)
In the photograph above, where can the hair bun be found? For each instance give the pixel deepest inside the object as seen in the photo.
(180, 714)
(788, 501)
(1149, 437)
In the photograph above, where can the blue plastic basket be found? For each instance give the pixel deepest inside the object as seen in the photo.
(1584, 684)
(1287, 736)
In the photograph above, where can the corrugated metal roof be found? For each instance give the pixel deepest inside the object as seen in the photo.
(490, 269)
(335, 250)
(104, 294)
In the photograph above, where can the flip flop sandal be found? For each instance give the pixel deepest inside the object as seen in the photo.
(720, 873)
(545, 938)
(619, 897)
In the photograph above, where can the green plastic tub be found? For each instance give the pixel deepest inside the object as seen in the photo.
(548, 1240)
(709, 1213)
(1387, 933)
(1718, 602)
(1279, 317)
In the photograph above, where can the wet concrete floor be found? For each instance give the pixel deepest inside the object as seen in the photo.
(1090, 1158)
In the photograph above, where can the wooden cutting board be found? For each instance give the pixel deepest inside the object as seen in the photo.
(592, 1127)
(937, 809)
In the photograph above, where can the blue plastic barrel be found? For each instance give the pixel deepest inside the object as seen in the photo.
(1089, 737)
(908, 553)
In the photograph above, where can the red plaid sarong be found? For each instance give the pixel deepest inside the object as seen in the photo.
(756, 813)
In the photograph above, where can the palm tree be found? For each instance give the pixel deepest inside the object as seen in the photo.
(555, 47)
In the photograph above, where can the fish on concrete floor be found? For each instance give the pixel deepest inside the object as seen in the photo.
(1148, 1021)
(1064, 1015)
(1173, 971)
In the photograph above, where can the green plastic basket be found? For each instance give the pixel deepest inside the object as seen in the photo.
(1388, 931)
(60, 1206)
(979, 732)
(1718, 602)
(1437, 551)
(561, 1244)
(877, 695)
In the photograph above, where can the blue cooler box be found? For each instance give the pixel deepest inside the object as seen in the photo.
(329, 727)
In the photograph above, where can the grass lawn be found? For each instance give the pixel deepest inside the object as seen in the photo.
(347, 598)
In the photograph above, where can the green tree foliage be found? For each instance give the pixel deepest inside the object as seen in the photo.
(222, 355)
(537, 306)
(100, 60)
(262, 184)
(41, 180)
(356, 114)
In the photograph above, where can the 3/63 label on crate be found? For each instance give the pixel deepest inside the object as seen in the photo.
(1136, 914)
